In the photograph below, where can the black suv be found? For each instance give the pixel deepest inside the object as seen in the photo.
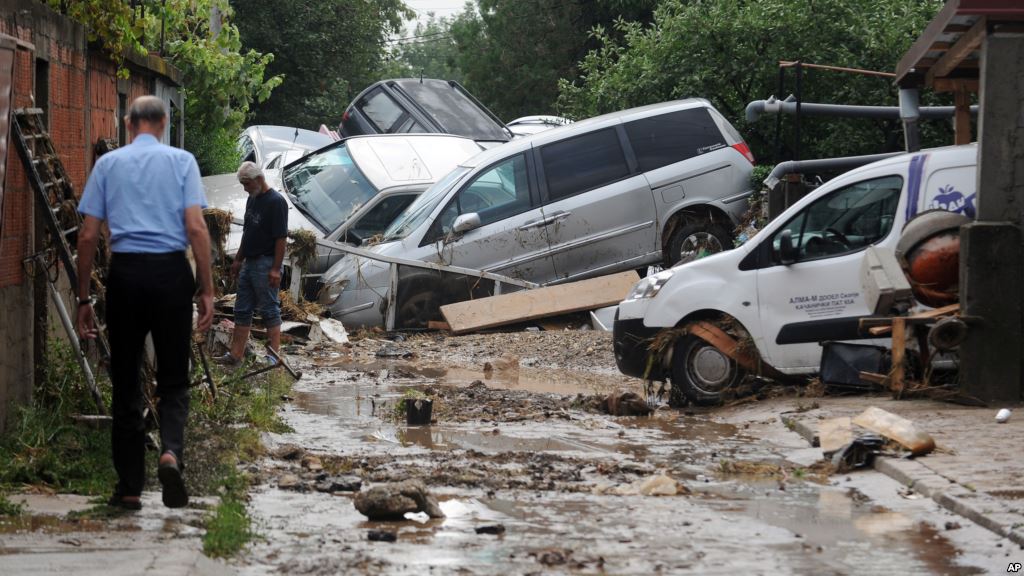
(421, 105)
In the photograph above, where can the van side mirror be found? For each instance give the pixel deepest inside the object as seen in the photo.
(466, 222)
(787, 253)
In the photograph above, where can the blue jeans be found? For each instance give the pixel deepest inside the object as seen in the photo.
(254, 292)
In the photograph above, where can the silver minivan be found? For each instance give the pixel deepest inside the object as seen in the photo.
(649, 185)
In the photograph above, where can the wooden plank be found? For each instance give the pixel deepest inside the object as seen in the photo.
(437, 325)
(963, 47)
(922, 317)
(956, 84)
(539, 303)
(899, 349)
(874, 378)
(962, 120)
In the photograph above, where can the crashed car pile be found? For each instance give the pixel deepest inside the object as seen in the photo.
(427, 201)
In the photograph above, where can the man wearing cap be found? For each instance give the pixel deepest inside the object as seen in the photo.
(152, 199)
(258, 263)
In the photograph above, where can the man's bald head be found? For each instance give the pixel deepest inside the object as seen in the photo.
(148, 110)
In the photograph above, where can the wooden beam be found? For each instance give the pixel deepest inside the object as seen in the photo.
(960, 50)
(911, 59)
(543, 302)
(962, 120)
(956, 84)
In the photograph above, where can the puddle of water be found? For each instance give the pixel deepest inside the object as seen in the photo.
(523, 378)
(434, 438)
(851, 536)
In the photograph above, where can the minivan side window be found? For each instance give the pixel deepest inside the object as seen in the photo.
(583, 163)
(246, 149)
(673, 137)
(499, 192)
(845, 221)
(382, 111)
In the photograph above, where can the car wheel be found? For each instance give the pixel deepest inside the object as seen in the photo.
(701, 373)
(696, 237)
(421, 305)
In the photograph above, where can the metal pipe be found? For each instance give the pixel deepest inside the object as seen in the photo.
(772, 105)
(830, 164)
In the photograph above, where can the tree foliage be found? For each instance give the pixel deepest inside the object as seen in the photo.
(728, 52)
(221, 81)
(427, 51)
(513, 52)
(326, 50)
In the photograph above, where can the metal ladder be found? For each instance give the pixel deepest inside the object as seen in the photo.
(54, 191)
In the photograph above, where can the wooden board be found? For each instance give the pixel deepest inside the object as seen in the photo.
(540, 303)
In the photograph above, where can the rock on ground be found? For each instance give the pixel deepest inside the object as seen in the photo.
(393, 501)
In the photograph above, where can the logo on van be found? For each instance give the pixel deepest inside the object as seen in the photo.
(949, 198)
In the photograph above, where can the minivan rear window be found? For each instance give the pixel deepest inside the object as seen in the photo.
(669, 138)
(453, 110)
(382, 111)
(583, 163)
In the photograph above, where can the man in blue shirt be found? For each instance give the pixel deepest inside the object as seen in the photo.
(152, 199)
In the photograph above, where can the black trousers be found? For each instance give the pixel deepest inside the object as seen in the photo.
(148, 294)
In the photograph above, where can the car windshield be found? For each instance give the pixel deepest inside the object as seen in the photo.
(327, 187)
(422, 207)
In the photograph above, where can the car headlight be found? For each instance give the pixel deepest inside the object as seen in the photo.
(331, 292)
(650, 286)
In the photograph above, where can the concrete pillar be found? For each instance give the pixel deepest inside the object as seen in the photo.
(992, 251)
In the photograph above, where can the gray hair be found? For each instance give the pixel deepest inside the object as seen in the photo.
(147, 109)
(249, 171)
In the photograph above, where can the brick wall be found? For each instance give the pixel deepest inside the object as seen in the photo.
(81, 106)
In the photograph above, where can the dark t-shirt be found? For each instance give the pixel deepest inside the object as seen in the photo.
(266, 220)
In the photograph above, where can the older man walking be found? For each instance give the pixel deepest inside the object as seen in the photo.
(152, 199)
(258, 263)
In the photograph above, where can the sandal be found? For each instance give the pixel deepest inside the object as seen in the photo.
(174, 493)
(119, 500)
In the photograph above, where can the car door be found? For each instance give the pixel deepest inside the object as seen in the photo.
(818, 296)
(510, 239)
(601, 213)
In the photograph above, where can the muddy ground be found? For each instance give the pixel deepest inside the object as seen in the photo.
(521, 452)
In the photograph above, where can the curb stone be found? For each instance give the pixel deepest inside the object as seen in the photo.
(947, 493)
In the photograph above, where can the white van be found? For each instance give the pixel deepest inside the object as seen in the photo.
(794, 284)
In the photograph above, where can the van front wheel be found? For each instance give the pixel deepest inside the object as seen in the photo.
(701, 373)
(696, 237)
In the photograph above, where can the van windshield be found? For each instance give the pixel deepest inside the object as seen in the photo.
(422, 207)
(327, 187)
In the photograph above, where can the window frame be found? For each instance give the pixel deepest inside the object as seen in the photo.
(400, 120)
(432, 235)
(767, 246)
(541, 175)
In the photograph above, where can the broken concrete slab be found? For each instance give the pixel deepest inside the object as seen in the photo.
(516, 307)
(896, 428)
(834, 433)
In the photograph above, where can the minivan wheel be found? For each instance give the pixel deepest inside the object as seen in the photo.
(701, 373)
(696, 238)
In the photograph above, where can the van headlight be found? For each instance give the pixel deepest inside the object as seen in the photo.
(331, 292)
(650, 286)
